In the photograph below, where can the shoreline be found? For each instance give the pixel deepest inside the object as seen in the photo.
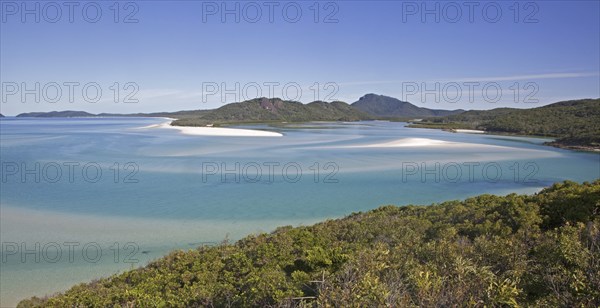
(553, 143)
(580, 148)
(215, 131)
(48, 227)
(170, 265)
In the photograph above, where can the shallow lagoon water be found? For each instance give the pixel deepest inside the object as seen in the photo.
(170, 192)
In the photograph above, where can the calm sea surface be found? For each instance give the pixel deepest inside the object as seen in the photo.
(85, 198)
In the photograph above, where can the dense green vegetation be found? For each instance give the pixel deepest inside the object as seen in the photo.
(382, 106)
(540, 250)
(575, 123)
(276, 110)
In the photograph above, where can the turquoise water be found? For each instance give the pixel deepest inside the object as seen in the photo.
(161, 190)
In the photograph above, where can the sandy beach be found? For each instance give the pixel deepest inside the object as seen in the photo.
(469, 131)
(216, 131)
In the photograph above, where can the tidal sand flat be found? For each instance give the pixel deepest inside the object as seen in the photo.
(411, 142)
(68, 248)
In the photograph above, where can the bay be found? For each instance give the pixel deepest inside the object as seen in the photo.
(132, 191)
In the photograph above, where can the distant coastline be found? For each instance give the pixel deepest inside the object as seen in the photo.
(573, 124)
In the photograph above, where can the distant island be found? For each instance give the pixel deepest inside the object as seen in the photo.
(518, 250)
(56, 114)
(575, 124)
(83, 114)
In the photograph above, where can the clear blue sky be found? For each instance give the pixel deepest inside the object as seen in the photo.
(550, 51)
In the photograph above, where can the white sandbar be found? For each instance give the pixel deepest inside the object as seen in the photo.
(469, 131)
(216, 131)
(408, 142)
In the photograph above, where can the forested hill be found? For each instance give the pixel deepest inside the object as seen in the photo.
(574, 123)
(382, 106)
(540, 250)
(274, 109)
